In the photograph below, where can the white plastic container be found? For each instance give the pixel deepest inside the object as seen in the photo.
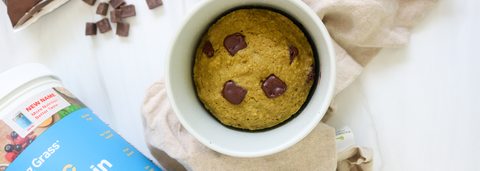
(45, 127)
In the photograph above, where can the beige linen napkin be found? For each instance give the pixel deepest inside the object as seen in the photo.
(360, 29)
(163, 131)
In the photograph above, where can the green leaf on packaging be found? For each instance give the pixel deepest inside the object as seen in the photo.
(72, 108)
(62, 113)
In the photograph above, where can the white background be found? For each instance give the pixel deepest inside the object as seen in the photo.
(416, 106)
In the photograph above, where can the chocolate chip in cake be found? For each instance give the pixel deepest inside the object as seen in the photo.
(103, 25)
(128, 11)
(91, 29)
(233, 43)
(154, 3)
(116, 3)
(273, 86)
(311, 75)
(233, 93)
(122, 29)
(293, 53)
(208, 49)
(90, 2)
(116, 15)
(102, 8)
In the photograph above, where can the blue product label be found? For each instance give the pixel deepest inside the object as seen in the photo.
(80, 141)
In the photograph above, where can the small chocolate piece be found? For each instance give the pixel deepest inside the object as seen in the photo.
(116, 15)
(293, 53)
(233, 43)
(311, 75)
(233, 93)
(273, 86)
(103, 25)
(208, 49)
(122, 29)
(102, 8)
(154, 3)
(128, 11)
(90, 2)
(116, 3)
(91, 29)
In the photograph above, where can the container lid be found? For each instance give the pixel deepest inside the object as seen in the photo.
(20, 75)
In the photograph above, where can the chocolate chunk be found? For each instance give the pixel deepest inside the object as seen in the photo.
(293, 53)
(154, 3)
(233, 43)
(116, 15)
(102, 8)
(208, 49)
(233, 93)
(122, 29)
(273, 86)
(116, 3)
(16, 9)
(128, 11)
(90, 2)
(311, 75)
(91, 29)
(103, 25)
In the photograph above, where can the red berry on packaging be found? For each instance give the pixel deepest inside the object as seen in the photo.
(25, 145)
(21, 140)
(16, 152)
(10, 156)
(11, 139)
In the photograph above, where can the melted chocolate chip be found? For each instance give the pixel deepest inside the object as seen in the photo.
(208, 49)
(233, 43)
(311, 75)
(273, 86)
(293, 53)
(233, 93)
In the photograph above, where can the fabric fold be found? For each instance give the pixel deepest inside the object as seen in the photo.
(175, 142)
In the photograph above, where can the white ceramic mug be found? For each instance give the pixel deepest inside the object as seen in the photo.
(204, 127)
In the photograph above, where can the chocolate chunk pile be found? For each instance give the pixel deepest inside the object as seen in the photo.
(120, 11)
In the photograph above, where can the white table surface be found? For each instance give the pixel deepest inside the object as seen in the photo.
(416, 106)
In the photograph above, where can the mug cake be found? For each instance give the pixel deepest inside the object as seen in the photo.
(254, 69)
